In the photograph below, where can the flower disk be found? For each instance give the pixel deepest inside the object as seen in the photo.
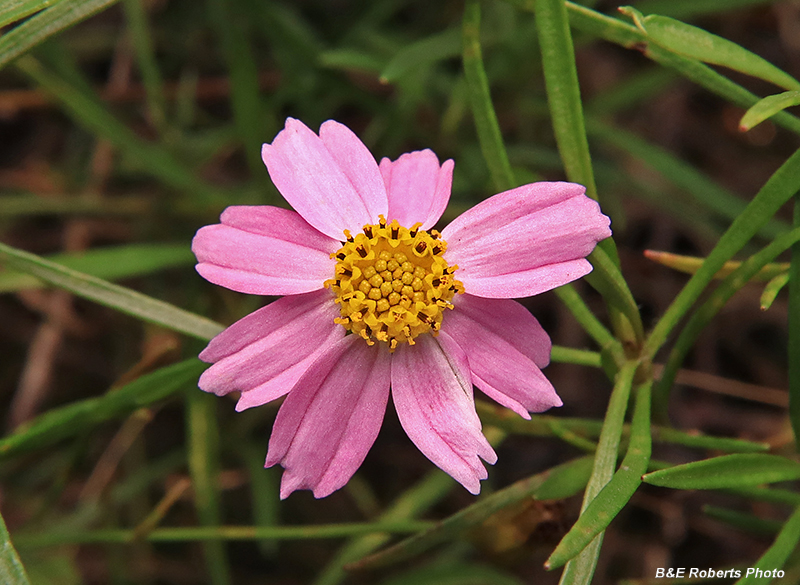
(393, 283)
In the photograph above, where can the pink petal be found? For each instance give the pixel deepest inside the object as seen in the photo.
(331, 418)
(432, 392)
(264, 251)
(525, 241)
(417, 187)
(505, 346)
(264, 354)
(332, 180)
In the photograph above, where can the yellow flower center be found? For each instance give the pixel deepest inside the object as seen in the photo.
(393, 283)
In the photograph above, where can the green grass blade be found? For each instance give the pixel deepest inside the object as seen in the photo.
(726, 471)
(690, 8)
(794, 331)
(232, 32)
(14, 10)
(563, 92)
(571, 355)
(92, 115)
(772, 288)
(580, 569)
(79, 417)
(423, 52)
(11, 570)
(111, 295)
(696, 43)
(48, 22)
(566, 480)
(488, 129)
(716, 301)
(146, 59)
(111, 263)
(777, 554)
(767, 107)
(412, 503)
(617, 492)
(776, 191)
(203, 441)
(586, 318)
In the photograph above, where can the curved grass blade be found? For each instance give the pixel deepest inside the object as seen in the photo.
(616, 493)
(11, 570)
(768, 107)
(777, 554)
(559, 482)
(580, 569)
(726, 471)
(489, 136)
(696, 43)
(108, 263)
(111, 295)
(36, 29)
(76, 418)
(443, 45)
(702, 316)
(690, 265)
(772, 289)
(14, 10)
(778, 190)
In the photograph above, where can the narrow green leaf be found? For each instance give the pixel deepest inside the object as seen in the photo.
(443, 45)
(691, 8)
(36, 29)
(794, 330)
(111, 295)
(79, 417)
(11, 570)
(772, 289)
(587, 319)
(768, 107)
(489, 135)
(743, 521)
(203, 442)
(570, 355)
(690, 265)
(696, 43)
(14, 10)
(351, 60)
(108, 263)
(92, 115)
(776, 555)
(617, 492)
(702, 316)
(778, 190)
(136, 17)
(726, 471)
(563, 92)
(568, 476)
(565, 480)
(580, 569)
(410, 504)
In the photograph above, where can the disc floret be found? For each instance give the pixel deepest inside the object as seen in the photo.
(392, 283)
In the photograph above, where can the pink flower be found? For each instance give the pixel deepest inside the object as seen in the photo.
(396, 305)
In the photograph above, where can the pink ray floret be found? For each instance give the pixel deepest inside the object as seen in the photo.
(337, 384)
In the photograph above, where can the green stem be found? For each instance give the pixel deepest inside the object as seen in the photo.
(794, 331)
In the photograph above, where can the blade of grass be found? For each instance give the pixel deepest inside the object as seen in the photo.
(14, 10)
(691, 8)
(45, 24)
(488, 129)
(716, 301)
(776, 555)
(768, 107)
(570, 355)
(111, 295)
(145, 57)
(794, 331)
(413, 502)
(108, 263)
(216, 533)
(203, 442)
(726, 471)
(79, 417)
(563, 475)
(586, 318)
(617, 492)
(92, 115)
(11, 570)
(580, 569)
(232, 32)
(776, 191)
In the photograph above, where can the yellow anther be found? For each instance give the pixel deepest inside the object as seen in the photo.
(392, 283)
